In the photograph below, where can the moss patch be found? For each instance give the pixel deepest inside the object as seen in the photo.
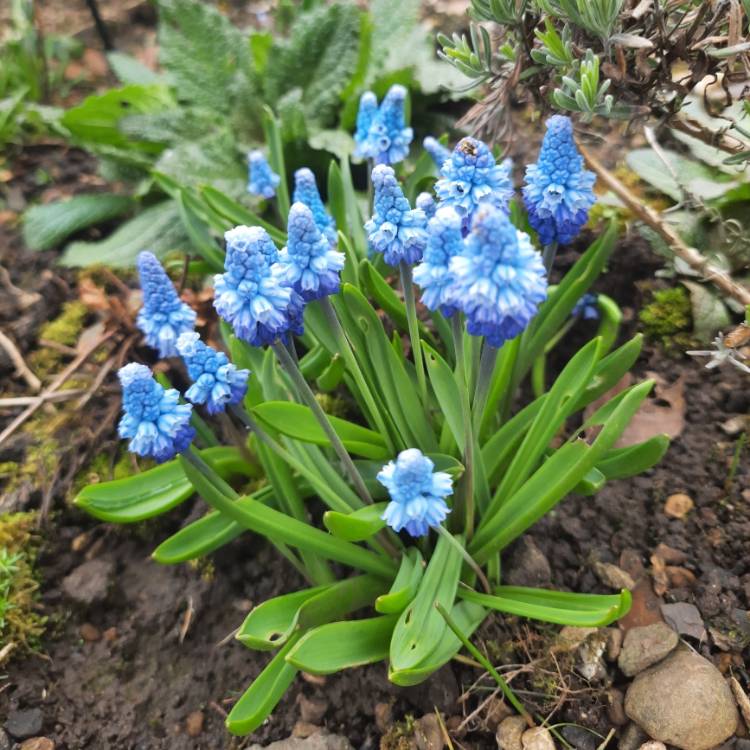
(65, 330)
(20, 624)
(668, 318)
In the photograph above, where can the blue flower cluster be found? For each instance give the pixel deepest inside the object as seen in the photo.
(417, 493)
(217, 383)
(558, 191)
(381, 132)
(250, 294)
(439, 153)
(262, 180)
(425, 202)
(470, 178)
(164, 316)
(306, 191)
(499, 278)
(395, 229)
(308, 263)
(154, 421)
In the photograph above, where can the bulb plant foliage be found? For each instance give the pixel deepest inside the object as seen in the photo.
(438, 465)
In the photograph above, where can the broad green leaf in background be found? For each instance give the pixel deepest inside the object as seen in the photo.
(157, 228)
(45, 226)
(710, 314)
(128, 69)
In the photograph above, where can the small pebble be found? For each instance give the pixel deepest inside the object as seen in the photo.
(22, 724)
(614, 643)
(89, 632)
(613, 576)
(537, 738)
(383, 717)
(428, 734)
(311, 710)
(616, 707)
(38, 743)
(497, 710)
(508, 735)
(680, 577)
(645, 646)
(194, 723)
(110, 635)
(653, 745)
(670, 555)
(678, 505)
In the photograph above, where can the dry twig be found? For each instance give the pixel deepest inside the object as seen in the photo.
(21, 367)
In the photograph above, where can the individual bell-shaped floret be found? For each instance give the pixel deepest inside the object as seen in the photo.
(425, 202)
(439, 153)
(262, 180)
(306, 191)
(164, 316)
(155, 422)
(558, 191)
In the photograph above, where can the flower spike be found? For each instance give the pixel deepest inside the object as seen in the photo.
(382, 135)
(471, 178)
(395, 229)
(499, 278)
(417, 493)
(439, 153)
(217, 383)
(368, 110)
(250, 294)
(164, 316)
(156, 423)
(262, 180)
(308, 264)
(558, 191)
(306, 191)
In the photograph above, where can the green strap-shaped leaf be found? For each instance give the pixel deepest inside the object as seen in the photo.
(260, 699)
(357, 526)
(197, 231)
(560, 607)
(420, 627)
(635, 459)
(405, 585)
(297, 421)
(446, 391)
(272, 132)
(155, 491)
(343, 645)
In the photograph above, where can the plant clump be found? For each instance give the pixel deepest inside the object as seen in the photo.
(668, 318)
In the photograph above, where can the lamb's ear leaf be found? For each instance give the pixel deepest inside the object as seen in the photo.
(260, 699)
(342, 645)
(356, 526)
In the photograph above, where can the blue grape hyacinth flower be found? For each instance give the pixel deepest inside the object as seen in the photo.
(425, 202)
(500, 279)
(308, 263)
(471, 178)
(154, 421)
(262, 180)
(383, 135)
(439, 153)
(217, 383)
(396, 229)
(587, 307)
(250, 294)
(558, 191)
(306, 191)
(417, 493)
(433, 274)
(164, 316)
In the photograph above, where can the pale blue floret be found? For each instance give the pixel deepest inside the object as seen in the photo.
(383, 135)
(250, 294)
(368, 110)
(308, 263)
(425, 202)
(396, 229)
(558, 191)
(164, 316)
(433, 274)
(306, 191)
(500, 279)
(417, 493)
(471, 178)
(262, 180)
(155, 422)
(587, 307)
(439, 153)
(217, 383)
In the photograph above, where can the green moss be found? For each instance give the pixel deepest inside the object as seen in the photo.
(66, 327)
(400, 736)
(100, 469)
(668, 317)
(20, 624)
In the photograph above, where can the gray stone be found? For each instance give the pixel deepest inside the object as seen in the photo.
(314, 742)
(742, 744)
(89, 583)
(527, 565)
(590, 664)
(24, 723)
(683, 701)
(580, 738)
(509, 733)
(537, 738)
(645, 646)
(632, 738)
(613, 576)
(685, 619)
(4, 740)
(428, 734)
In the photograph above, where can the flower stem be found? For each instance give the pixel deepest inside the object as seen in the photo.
(484, 380)
(548, 257)
(468, 448)
(411, 319)
(290, 365)
(472, 563)
(352, 365)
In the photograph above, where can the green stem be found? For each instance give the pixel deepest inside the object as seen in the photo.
(484, 381)
(413, 324)
(472, 563)
(548, 257)
(468, 447)
(289, 363)
(352, 365)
